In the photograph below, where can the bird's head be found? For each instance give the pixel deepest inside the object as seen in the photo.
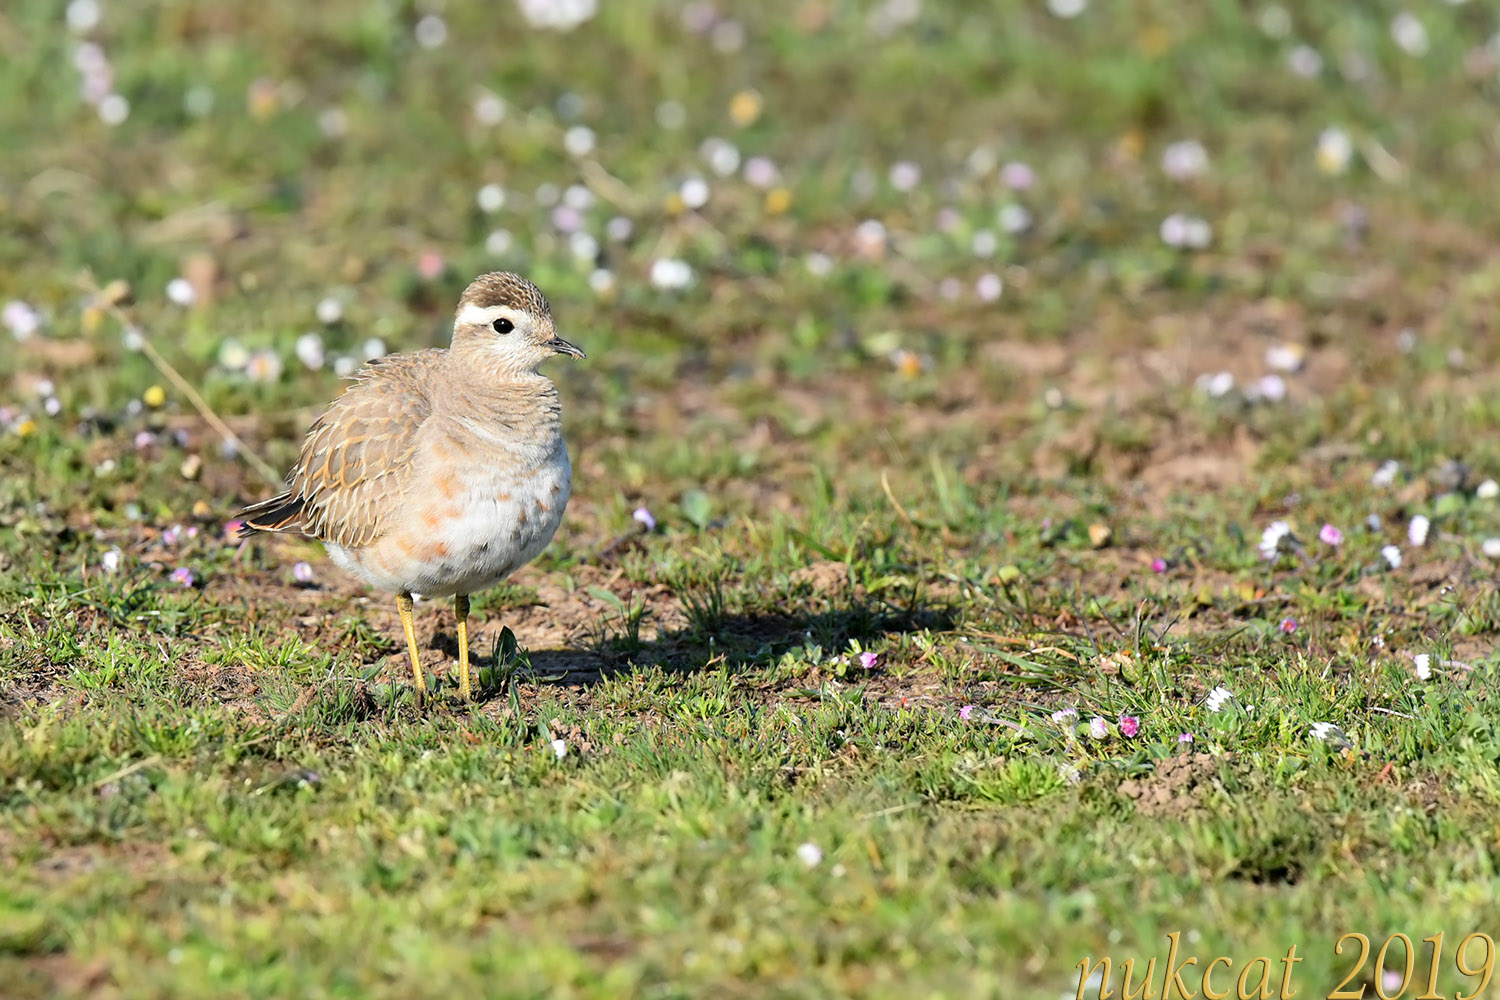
(504, 320)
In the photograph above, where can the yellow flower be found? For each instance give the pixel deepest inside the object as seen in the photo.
(154, 397)
(778, 200)
(744, 108)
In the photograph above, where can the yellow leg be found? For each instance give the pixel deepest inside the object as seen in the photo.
(461, 612)
(403, 605)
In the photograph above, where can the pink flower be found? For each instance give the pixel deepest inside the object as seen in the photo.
(643, 516)
(1331, 535)
(868, 660)
(1185, 738)
(430, 265)
(1129, 725)
(966, 712)
(1158, 565)
(1017, 176)
(1288, 625)
(184, 577)
(1098, 728)
(232, 530)
(302, 572)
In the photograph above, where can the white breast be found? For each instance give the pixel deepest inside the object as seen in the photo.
(507, 522)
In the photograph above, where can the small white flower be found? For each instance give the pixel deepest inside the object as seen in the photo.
(721, 156)
(671, 115)
(20, 319)
(984, 243)
(810, 855)
(1304, 61)
(671, 274)
(83, 16)
(1272, 539)
(1386, 474)
(373, 348)
(344, 365)
(1423, 663)
(233, 356)
(180, 292)
(263, 366)
(1487, 490)
(694, 192)
(498, 243)
(490, 198)
(618, 229)
(579, 197)
(111, 560)
(560, 747)
(1285, 357)
(1416, 532)
(1014, 218)
(819, 265)
(1098, 728)
(1218, 698)
(114, 109)
(1217, 384)
(488, 108)
(559, 15)
(1372, 522)
(1064, 715)
(330, 310)
(905, 175)
(1067, 9)
(1335, 150)
(870, 237)
(583, 247)
(1328, 732)
(1491, 548)
(1392, 556)
(547, 194)
(1184, 160)
(989, 287)
(602, 281)
(333, 123)
(309, 350)
(1275, 21)
(1186, 232)
(431, 31)
(1409, 33)
(579, 140)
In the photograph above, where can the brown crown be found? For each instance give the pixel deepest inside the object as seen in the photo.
(501, 288)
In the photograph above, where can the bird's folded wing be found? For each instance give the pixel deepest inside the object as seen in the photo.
(356, 463)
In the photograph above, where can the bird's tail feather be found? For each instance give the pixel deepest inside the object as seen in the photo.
(279, 513)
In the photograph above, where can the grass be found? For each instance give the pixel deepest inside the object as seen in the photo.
(680, 778)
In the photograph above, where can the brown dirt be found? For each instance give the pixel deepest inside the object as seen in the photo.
(1177, 788)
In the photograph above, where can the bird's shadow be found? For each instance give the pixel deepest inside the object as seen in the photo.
(733, 642)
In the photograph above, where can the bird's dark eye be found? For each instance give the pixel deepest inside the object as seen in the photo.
(503, 325)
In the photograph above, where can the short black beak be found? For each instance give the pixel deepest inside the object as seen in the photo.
(563, 347)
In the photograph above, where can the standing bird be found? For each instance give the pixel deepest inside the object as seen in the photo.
(442, 472)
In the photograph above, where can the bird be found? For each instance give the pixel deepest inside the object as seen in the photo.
(441, 472)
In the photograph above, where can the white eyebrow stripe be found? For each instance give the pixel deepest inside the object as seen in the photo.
(474, 314)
